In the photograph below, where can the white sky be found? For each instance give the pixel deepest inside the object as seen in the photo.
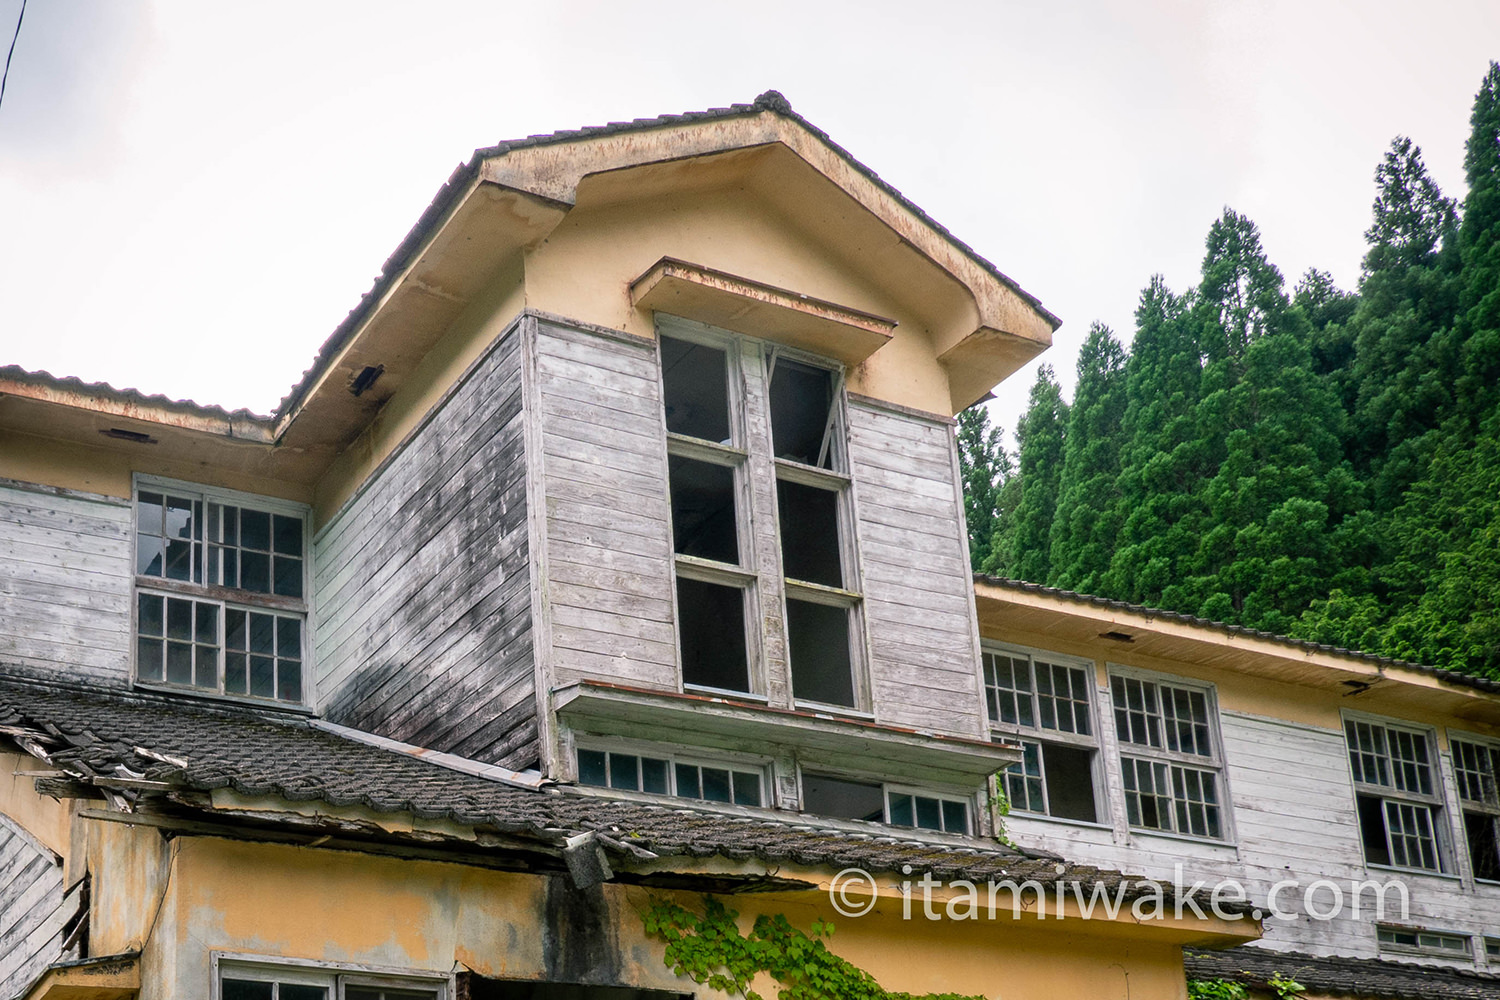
(192, 194)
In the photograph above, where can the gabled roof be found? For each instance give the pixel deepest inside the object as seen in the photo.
(1362, 978)
(485, 165)
(167, 744)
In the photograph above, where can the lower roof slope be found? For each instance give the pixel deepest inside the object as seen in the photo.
(1361, 978)
(97, 737)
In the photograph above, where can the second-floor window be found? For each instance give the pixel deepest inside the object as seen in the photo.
(1170, 765)
(753, 427)
(877, 802)
(220, 595)
(1046, 702)
(1397, 794)
(1476, 765)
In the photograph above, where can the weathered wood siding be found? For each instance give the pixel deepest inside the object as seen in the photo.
(422, 583)
(33, 909)
(607, 565)
(65, 579)
(924, 669)
(1293, 818)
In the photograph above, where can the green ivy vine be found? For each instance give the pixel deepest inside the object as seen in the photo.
(1284, 987)
(711, 951)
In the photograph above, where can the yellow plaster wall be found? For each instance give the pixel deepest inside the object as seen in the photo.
(132, 874)
(584, 269)
(341, 907)
(46, 819)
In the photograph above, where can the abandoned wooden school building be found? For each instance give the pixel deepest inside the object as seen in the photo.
(612, 549)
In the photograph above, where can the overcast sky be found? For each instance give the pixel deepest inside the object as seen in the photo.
(193, 194)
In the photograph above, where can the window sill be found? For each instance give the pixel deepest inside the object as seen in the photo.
(823, 711)
(210, 696)
(726, 693)
(1186, 838)
(1060, 821)
(1424, 872)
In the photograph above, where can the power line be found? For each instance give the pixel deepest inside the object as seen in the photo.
(6, 75)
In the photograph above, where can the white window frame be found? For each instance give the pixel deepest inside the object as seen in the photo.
(1435, 802)
(917, 791)
(747, 439)
(224, 598)
(761, 766)
(1463, 805)
(1213, 764)
(1036, 733)
(334, 976)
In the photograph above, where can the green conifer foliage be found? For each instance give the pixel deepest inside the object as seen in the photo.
(1088, 510)
(1040, 434)
(984, 466)
(1162, 459)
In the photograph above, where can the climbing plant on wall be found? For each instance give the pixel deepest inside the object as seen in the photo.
(710, 950)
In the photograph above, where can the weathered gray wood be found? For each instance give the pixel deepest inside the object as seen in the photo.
(916, 583)
(602, 438)
(422, 610)
(32, 906)
(65, 583)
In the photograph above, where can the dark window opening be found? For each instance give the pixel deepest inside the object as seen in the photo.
(696, 388)
(711, 630)
(809, 534)
(802, 423)
(838, 798)
(819, 639)
(1372, 829)
(1070, 782)
(703, 510)
(1484, 846)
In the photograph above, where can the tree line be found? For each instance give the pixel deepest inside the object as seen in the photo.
(1319, 463)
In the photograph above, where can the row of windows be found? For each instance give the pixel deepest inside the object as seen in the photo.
(828, 795)
(1171, 770)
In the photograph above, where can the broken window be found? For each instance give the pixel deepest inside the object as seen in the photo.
(846, 798)
(1476, 766)
(804, 412)
(818, 644)
(670, 775)
(1047, 704)
(1396, 794)
(220, 593)
(711, 632)
(704, 519)
(841, 798)
(1169, 756)
(726, 399)
(704, 482)
(695, 387)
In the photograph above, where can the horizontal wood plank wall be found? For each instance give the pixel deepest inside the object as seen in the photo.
(917, 582)
(609, 543)
(1294, 819)
(65, 579)
(32, 916)
(422, 588)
